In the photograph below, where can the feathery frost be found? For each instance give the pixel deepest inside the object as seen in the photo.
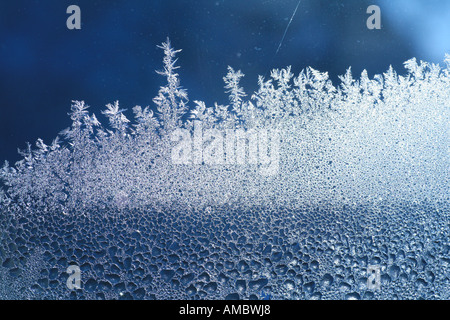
(364, 141)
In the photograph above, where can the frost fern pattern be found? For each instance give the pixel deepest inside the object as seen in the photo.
(364, 141)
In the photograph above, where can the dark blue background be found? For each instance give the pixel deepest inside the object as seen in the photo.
(43, 65)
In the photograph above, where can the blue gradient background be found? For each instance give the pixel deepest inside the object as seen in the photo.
(43, 65)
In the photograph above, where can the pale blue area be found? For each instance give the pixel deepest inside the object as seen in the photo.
(426, 24)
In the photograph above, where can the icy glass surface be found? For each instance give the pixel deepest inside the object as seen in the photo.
(291, 192)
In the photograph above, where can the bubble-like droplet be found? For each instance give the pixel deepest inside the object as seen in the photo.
(352, 296)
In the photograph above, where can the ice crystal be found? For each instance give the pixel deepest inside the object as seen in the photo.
(292, 192)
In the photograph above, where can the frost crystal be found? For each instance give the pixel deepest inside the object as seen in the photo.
(366, 140)
(300, 161)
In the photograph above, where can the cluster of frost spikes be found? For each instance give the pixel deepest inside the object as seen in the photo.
(366, 140)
